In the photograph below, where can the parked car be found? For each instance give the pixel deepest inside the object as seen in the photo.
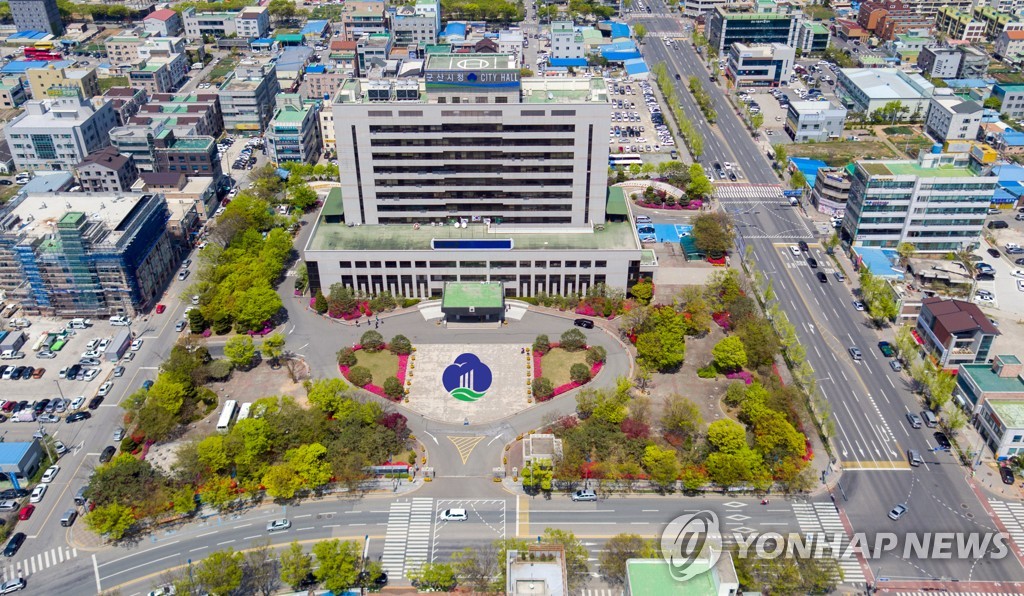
(26, 512)
(886, 348)
(1006, 474)
(584, 495)
(50, 473)
(585, 323)
(37, 494)
(95, 402)
(108, 454)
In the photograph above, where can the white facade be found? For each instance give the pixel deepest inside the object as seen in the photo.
(951, 118)
(814, 121)
(693, 8)
(249, 23)
(1010, 46)
(419, 23)
(868, 89)
(566, 41)
(57, 134)
(760, 65)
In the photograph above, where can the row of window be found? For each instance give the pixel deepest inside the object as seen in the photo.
(471, 264)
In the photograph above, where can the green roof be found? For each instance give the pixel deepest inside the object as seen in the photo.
(1010, 411)
(290, 115)
(651, 576)
(290, 38)
(71, 218)
(191, 144)
(616, 201)
(478, 294)
(818, 28)
(333, 205)
(912, 168)
(330, 236)
(989, 382)
(440, 48)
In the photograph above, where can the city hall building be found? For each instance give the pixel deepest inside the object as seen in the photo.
(468, 173)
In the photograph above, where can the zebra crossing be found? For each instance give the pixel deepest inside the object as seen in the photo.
(39, 562)
(823, 519)
(954, 593)
(601, 592)
(407, 540)
(1012, 516)
(749, 193)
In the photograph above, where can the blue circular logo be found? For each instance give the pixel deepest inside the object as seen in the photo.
(467, 379)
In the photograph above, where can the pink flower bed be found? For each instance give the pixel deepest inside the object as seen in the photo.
(744, 375)
(363, 308)
(586, 309)
(403, 366)
(721, 319)
(692, 206)
(538, 373)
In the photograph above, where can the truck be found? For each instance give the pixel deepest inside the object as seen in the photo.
(13, 341)
(119, 346)
(11, 355)
(26, 415)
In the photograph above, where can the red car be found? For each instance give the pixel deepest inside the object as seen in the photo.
(26, 512)
(160, 308)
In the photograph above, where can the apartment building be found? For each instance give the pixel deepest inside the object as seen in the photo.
(123, 49)
(251, 22)
(812, 37)
(59, 79)
(247, 97)
(12, 92)
(955, 332)
(159, 75)
(937, 204)
(1012, 98)
(471, 173)
(196, 156)
(831, 191)
(58, 133)
(814, 121)
(950, 118)
(759, 65)
(1010, 46)
(294, 131)
(941, 62)
(164, 23)
(125, 102)
(85, 254)
(363, 18)
(37, 15)
(189, 114)
(108, 171)
(416, 24)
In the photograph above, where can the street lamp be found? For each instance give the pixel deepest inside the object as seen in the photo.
(59, 389)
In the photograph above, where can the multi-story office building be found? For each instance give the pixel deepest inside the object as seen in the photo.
(196, 156)
(294, 131)
(566, 41)
(107, 171)
(123, 50)
(759, 65)
(124, 100)
(831, 190)
(696, 8)
(940, 62)
(247, 97)
(1012, 98)
(327, 128)
(865, 90)
(164, 23)
(321, 81)
(159, 75)
(814, 121)
(725, 28)
(812, 37)
(950, 118)
(955, 332)
(363, 18)
(37, 15)
(60, 79)
(251, 22)
(12, 92)
(85, 254)
(472, 174)
(417, 24)
(937, 204)
(58, 133)
(373, 51)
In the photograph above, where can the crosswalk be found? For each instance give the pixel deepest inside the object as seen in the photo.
(601, 592)
(407, 540)
(1012, 515)
(738, 193)
(823, 519)
(945, 593)
(37, 563)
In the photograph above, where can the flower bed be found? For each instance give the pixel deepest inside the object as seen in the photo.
(403, 366)
(743, 375)
(362, 309)
(721, 319)
(692, 206)
(720, 262)
(559, 390)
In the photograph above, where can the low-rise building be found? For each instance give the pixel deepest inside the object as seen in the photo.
(108, 171)
(196, 156)
(812, 37)
(58, 133)
(950, 118)
(363, 18)
(247, 97)
(123, 49)
(417, 24)
(251, 22)
(187, 114)
(1010, 46)
(164, 23)
(939, 62)
(1001, 423)
(831, 190)
(866, 90)
(654, 576)
(978, 383)
(321, 81)
(760, 65)
(294, 131)
(540, 569)
(566, 41)
(156, 75)
(973, 63)
(51, 80)
(327, 131)
(814, 121)
(179, 188)
(1012, 98)
(125, 101)
(85, 254)
(955, 332)
(12, 92)
(373, 51)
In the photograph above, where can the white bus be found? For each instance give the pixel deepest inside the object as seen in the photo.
(243, 412)
(624, 159)
(225, 417)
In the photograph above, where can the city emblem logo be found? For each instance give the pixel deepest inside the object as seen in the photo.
(467, 379)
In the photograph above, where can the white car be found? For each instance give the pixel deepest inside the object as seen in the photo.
(91, 373)
(277, 525)
(50, 474)
(136, 345)
(91, 354)
(1020, 285)
(77, 403)
(37, 494)
(105, 389)
(92, 344)
(1018, 273)
(103, 344)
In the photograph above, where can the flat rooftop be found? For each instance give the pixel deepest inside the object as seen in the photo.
(1010, 412)
(651, 576)
(471, 62)
(338, 236)
(40, 213)
(886, 83)
(912, 168)
(989, 382)
(466, 294)
(556, 90)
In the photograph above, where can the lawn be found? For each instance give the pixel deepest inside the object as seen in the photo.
(382, 365)
(898, 130)
(912, 144)
(223, 69)
(6, 192)
(818, 12)
(839, 153)
(107, 83)
(556, 363)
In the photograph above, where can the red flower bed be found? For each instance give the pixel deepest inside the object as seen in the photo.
(403, 362)
(586, 309)
(537, 373)
(721, 319)
(692, 206)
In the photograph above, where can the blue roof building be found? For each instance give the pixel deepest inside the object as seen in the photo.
(620, 51)
(20, 66)
(21, 459)
(316, 29)
(636, 68)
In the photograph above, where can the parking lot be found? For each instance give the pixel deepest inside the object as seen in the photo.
(637, 123)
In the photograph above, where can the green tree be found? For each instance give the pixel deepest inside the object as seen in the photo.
(393, 388)
(579, 373)
(281, 481)
(310, 464)
(906, 251)
(218, 492)
(296, 565)
(476, 566)
(639, 32)
(781, 153)
(221, 572)
(993, 103)
(727, 436)
(681, 417)
(537, 475)
(213, 453)
(320, 303)
(643, 291)
(729, 354)
(662, 345)
(372, 341)
(347, 357)
(273, 346)
(756, 121)
(620, 548)
(435, 576)
(541, 345)
(596, 354)
(240, 350)
(282, 10)
(167, 393)
(360, 376)
(906, 345)
(575, 556)
(661, 464)
(542, 388)
(337, 564)
(258, 306)
(400, 344)
(699, 185)
(572, 340)
(196, 321)
(302, 197)
(113, 520)
(797, 181)
(713, 233)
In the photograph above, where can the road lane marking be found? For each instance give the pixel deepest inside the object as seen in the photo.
(206, 534)
(225, 542)
(147, 564)
(141, 552)
(251, 537)
(241, 526)
(199, 549)
(649, 510)
(890, 381)
(302, 516)
(96, 572)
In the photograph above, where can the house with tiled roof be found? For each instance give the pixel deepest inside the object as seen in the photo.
(955, 332)
(164, 22)
(107, 170)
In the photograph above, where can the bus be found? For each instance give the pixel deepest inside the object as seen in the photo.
(34, 54)
(243, 412)
(225, 417)
(43, 45)
(624, 159)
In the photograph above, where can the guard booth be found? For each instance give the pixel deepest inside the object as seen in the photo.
(473, 302)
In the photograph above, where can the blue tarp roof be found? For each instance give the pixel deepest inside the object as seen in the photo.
(619, 29)
(1014, 139)
(29, 34)
(454, 29)
(567, 62)
(969, 83)
(809, 167)
(314, 27)
(620, 51)
(636, 66)
(20, 66)
(880, 261)
(316, 69)
(263, 41)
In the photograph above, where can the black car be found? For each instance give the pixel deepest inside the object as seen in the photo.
(73, 371)
(822, 277)
(813, 264)
(95, 402)
(1006, 474)
(108, 454)
(40, 405)
(6, 182)
(13, 493)
(1019, 261)
(27, 373)
(585, 323)
(14, 544)
(942, 440)
(17, 373)
(993, 252)
(78, 416)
